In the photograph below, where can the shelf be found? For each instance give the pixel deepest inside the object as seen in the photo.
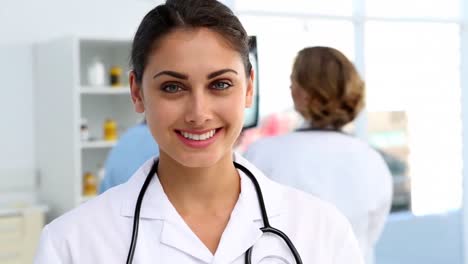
(62, 72)
(85, 198)
(103, 90)
(97, 144)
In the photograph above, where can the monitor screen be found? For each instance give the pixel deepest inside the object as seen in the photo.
(251, 114)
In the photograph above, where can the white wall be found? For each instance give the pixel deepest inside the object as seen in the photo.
(16, 122)
(23, 23)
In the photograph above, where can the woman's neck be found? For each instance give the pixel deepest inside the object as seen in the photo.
(211, 188)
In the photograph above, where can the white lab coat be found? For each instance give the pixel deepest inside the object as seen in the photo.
(335, 167)
(99, 231)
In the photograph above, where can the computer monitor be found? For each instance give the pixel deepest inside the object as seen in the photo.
(251, 114)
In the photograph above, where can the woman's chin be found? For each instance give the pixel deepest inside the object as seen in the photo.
(199, 160)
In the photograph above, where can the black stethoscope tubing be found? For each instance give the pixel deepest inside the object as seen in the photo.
(267, 228)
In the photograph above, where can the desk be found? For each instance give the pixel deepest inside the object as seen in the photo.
(20, 229)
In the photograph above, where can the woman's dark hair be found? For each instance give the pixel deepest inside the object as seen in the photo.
(187, 14)
(333, 84)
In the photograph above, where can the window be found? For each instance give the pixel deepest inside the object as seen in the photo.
(329, 7)
(411, 64)
(414, 67)
(414, 8)
(279, 39)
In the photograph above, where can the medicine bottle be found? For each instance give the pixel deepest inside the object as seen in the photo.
(90, 184)
(110, 130)
(116, 76)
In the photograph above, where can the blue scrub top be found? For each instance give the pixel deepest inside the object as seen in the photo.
(134, 147)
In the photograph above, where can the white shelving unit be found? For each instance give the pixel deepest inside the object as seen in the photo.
(104, 90)
(97, 144)
(63, 98)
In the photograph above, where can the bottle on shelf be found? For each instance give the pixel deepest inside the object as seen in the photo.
(90, 183)
(84, 131)
(110, 130)
(116, 76)
(96, 72)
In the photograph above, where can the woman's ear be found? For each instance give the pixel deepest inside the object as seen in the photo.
(250, 89)
(136, 93)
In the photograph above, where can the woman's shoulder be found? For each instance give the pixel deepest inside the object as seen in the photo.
(301, 137)
(290, 199)
(297, 205)
(82, 231)
(318, 224)
(266, 144)
(307, 206)
(310, 141)
(90, 212)
(103, 209)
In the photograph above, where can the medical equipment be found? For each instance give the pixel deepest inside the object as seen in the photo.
(248, 256)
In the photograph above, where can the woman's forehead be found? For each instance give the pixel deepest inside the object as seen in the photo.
(183, 41)
(202, 48)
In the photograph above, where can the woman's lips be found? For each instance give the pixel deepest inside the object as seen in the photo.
(199, 138)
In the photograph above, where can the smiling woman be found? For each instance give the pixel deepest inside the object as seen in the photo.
(193, 92)
(198, 202)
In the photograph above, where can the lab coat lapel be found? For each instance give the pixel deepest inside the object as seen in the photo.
(175, 233)
(240, 234)
(153, 205)
(272, 192)
(178, 235)
(243, 229)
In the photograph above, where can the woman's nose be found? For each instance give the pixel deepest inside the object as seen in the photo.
(198, 109)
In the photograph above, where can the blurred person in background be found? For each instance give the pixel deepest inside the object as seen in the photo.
(136, 146)
(320, 158)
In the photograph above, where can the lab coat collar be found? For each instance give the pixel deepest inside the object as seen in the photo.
(156, 205)
(273, 202)
(239, 235)
(241, 232)
(175, 232)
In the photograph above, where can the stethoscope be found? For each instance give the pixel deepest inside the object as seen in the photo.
(267, 228)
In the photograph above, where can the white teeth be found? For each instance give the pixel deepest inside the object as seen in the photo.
(199, 137)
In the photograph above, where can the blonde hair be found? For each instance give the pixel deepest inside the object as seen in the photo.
(335, 88)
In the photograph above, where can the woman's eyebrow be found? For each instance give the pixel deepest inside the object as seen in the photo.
(217, 73)
(185, 77)
(172, 73)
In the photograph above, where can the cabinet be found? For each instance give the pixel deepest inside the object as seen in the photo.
(19, 234)
(63, 98)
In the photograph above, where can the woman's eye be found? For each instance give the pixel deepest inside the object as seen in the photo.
(221, 85)
(171, 88)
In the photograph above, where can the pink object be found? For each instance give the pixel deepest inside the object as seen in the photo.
(272, 125)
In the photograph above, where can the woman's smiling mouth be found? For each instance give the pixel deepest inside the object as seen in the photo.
(198, 139)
